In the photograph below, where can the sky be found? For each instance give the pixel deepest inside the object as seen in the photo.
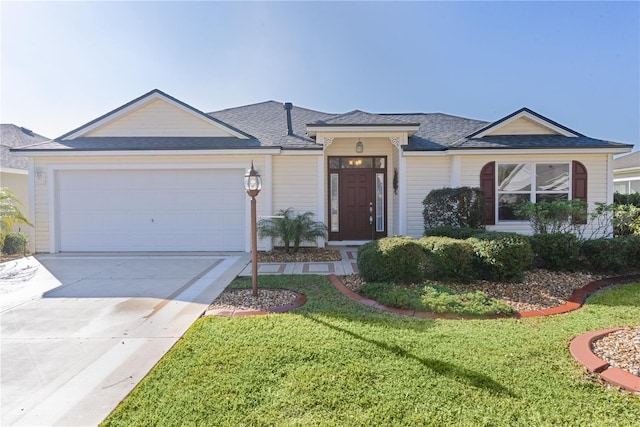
(578, 63)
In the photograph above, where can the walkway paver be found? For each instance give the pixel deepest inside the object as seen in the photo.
(347, 265)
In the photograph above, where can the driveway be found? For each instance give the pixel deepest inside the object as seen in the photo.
(79, 331)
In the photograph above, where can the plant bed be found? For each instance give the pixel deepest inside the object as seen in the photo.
(540, 289)
(302, 255)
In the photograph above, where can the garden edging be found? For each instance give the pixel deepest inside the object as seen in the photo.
(575, 301)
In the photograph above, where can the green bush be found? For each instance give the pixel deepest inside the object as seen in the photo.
(449, 259)
(632, 249)
(558, 216)
(627, 199)
(558, 251)
(626, 220)
(392, 259)
(441, 300)
(15, 243)
(502, 256)
(607, 255)
(292, 228)
(458, 207)
(453, 232)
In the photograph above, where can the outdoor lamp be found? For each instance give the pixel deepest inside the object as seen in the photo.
(252, 182)
(359, 147)
(253, 185)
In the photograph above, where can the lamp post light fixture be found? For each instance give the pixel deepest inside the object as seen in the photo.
(253, 185)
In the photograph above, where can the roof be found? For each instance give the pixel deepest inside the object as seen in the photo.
(264, 125)
(628, 161)
(13, 136)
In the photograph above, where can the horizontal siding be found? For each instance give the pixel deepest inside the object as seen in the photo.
(423, 175)
(159, 118)
(295, 183)
(522, 126)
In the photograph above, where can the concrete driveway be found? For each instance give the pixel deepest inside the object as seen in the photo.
(79, 331)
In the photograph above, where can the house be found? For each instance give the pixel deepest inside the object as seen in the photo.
(626, 173)
(14, 169)
(157, 174)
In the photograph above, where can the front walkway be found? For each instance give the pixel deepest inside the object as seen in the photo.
(347, 265)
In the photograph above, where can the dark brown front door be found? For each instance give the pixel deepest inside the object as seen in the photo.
(356, 204)
(357, 198)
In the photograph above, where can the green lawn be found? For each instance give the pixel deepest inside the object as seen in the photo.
(334, 362)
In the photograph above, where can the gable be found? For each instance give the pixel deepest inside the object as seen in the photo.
(159, 118)
(522, 126)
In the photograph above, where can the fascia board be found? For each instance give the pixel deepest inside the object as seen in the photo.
(312, 130)
(137, 153)
(529, 116)
(495, 151)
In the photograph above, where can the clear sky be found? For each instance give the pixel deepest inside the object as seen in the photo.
(578, 63)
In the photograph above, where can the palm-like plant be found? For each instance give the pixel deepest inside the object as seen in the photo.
(10, 213)
(292, 228)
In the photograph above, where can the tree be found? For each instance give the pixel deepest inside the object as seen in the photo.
(291, 228)
(10, 213)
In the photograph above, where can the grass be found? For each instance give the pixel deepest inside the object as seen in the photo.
(435, 299)
(334, 362)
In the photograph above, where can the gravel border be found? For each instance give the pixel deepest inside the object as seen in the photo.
(621, 349)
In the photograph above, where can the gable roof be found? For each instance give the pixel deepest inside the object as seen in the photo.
(358, 118)
(524, 112)
(12, 136)
(628, 161)
(137, 103)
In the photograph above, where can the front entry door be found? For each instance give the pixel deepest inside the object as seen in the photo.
(357, 198)
(356, 204)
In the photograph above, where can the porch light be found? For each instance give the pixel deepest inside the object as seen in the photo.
(359, 147)
(253, 185)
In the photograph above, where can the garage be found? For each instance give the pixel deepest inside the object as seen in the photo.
(151, 210)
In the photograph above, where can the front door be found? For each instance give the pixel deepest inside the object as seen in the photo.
(357, 196)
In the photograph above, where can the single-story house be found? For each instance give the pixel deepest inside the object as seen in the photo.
(626, 173)
(157, 174)
(13, 169)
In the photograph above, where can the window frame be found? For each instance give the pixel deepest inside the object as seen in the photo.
(533, 192)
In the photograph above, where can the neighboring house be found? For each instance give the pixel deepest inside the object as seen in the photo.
(14, 169)
(626, 173)
(159, 175)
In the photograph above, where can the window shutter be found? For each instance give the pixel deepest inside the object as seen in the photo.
(579, 187)
(488, 185)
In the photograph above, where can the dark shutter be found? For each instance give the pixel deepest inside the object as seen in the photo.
(488, 185)
(579, 187)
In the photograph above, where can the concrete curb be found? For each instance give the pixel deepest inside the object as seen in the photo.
(581, 350)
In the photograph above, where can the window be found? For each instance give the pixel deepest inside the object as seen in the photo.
(536, 182)
(626, 186)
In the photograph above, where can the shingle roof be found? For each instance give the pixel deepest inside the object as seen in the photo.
(628, 161)
(267, 121)
(533, 141)
(357, 117)
(13, 136)
(145, 143)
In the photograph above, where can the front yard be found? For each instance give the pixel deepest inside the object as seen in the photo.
(335, 362)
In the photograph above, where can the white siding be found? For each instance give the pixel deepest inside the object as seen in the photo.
(521, 126)
(159, 118)
(423, 175)
(295, 183)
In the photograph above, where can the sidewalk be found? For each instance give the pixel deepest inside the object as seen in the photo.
(347, 265)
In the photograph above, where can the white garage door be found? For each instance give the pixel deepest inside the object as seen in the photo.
(151, 210)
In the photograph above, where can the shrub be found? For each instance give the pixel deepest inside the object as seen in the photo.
(627, 199)
(626, 220)
(558, 251)
(449, 259)
(558, 216)
(15, 243)
(632, 250)
(502, 256)
(440, 300)
(458, 207)
(392, 259)
(291, 228)
(453, 232)
(606, 255)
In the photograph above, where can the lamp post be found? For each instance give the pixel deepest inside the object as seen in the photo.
(253, 185)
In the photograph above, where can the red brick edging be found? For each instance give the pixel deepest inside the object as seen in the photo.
(577, 299)
(299, 301)
(581, 350)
